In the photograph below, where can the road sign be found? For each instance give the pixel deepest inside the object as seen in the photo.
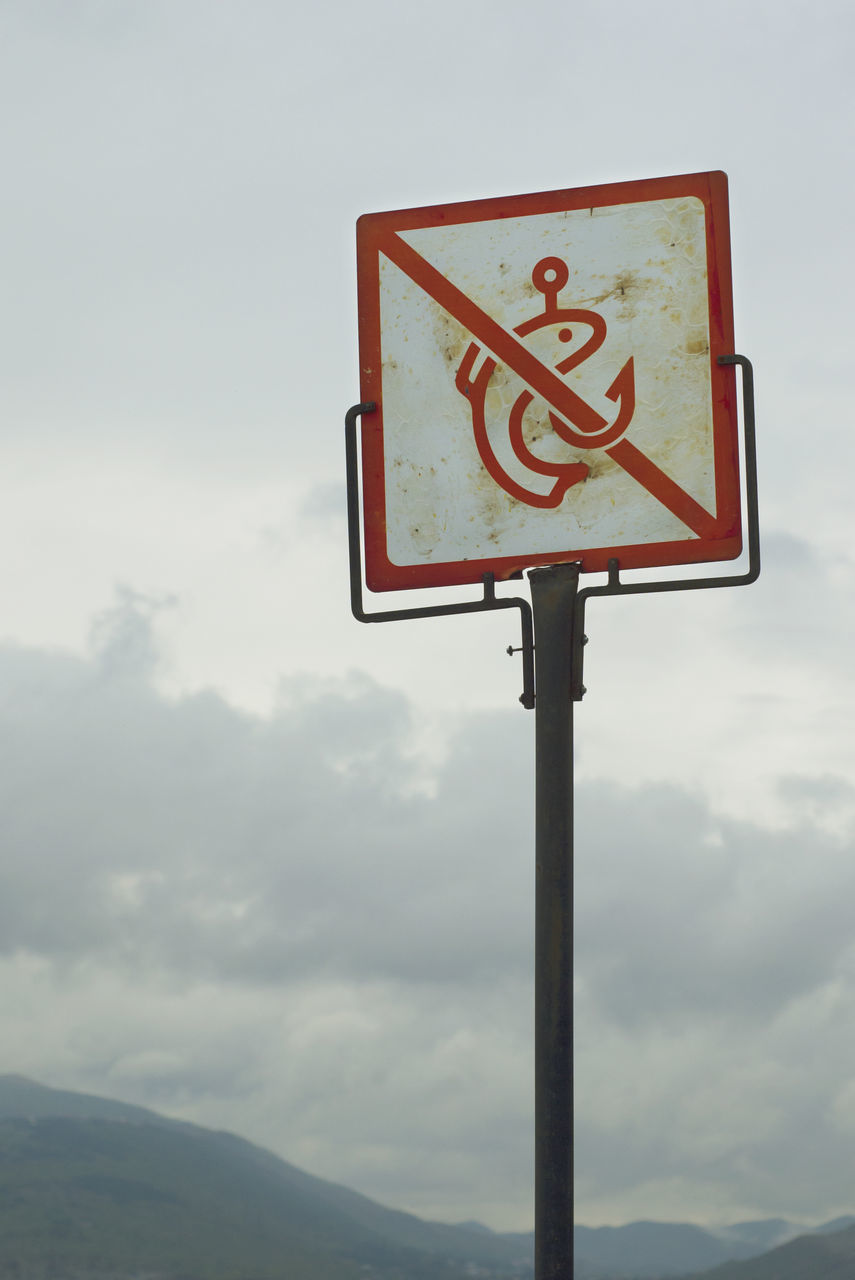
(546, 380)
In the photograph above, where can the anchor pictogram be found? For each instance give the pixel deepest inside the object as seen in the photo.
(586, 428)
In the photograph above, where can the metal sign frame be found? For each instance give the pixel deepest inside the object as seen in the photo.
(417, 295)
(614, 585)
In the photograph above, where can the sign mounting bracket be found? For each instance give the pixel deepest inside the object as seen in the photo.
(614, 586)
(488, 602)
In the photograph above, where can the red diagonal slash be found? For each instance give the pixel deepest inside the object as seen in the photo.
(503, 344)
(546, 383)
(661, 486)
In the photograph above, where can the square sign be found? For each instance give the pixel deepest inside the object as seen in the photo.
(546, 380)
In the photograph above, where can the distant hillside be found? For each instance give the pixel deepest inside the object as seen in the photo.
(657, 1249)
(819, 1256)
(92, 1188)
(27, 1100)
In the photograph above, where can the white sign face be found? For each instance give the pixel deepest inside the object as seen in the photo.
(547, 387)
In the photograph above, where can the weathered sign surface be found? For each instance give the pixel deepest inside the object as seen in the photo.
(545, 371)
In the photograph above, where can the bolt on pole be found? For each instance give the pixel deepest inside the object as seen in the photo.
(553, 592)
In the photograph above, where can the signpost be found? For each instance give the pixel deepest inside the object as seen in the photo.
(547, 385)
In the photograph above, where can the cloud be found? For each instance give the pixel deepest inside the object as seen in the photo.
(688, 912)
(220, 844)
(298, 927)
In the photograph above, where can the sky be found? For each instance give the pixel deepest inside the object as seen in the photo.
(272, 871)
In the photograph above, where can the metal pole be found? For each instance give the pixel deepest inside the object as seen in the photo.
(553, 593)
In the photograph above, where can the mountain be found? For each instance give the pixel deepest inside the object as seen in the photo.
(822, 1255)
(763, 1235)
(838, 1224)
(91, 1188)
(657, 1250)
(26, 1100)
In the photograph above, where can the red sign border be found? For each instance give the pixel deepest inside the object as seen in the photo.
(725, 540)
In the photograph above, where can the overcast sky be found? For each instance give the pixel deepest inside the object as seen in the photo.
(271, 871)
